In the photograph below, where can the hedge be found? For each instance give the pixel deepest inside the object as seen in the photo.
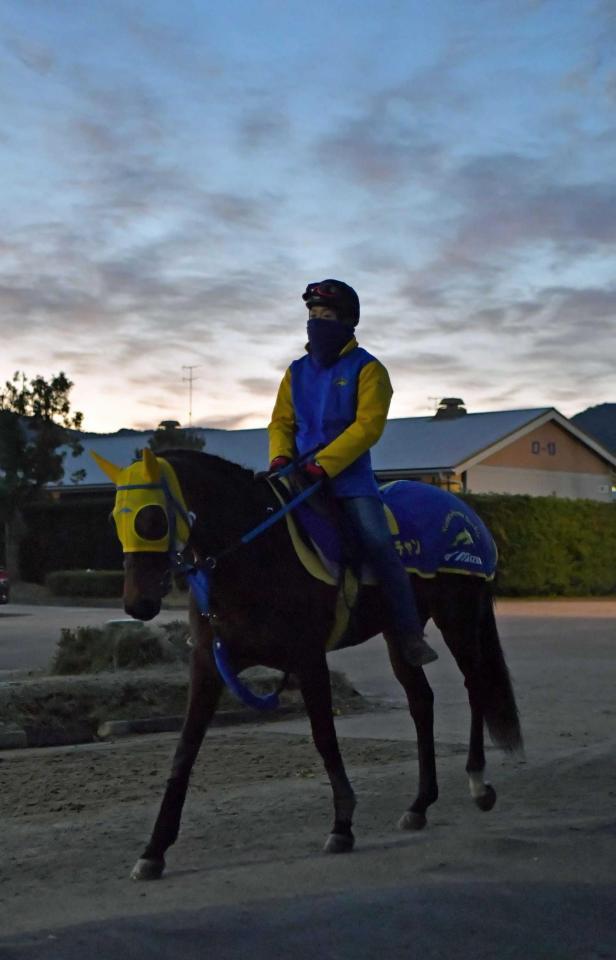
(86, 583)
(549, 546)
(69, 534)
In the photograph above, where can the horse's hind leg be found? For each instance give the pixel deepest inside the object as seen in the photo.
(458, 617)
(482, 792)
(421, 704)
(315, 686)
(204, 694)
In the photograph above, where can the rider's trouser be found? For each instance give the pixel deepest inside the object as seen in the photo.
(372, 543)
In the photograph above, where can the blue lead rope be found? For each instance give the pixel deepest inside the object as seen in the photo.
(199, 582)
(268, 702)
(200, 586)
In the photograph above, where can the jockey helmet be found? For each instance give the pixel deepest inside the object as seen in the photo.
(335, 294)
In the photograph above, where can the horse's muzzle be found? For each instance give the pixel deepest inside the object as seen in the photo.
(144, 608)
(147, 578)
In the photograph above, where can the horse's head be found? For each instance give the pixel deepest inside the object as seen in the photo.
(153, 525)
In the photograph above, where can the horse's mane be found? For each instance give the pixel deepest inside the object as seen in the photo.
(200, 459)
(233, 499)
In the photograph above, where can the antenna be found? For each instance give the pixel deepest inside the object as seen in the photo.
(190, 380)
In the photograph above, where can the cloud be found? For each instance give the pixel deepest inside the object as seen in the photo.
(36, 57)
(555, 312)
(510, 200)
(399, 135)
(590, 303)
(379, 152)
(157, 295)
(230, 422)
(565, 344)
(237, 210)
(180, 49)
(419, 360)
(509, 212)
(79, 362)
(263, 126)
(260, 386)
(175, 208)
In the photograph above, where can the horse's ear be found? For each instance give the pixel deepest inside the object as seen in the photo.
(109, 469)
(151, 464)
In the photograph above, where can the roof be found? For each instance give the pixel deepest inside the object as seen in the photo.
(246, 447)
(428, 443)
(409, 445)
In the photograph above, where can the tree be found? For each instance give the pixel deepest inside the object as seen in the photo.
(35, 421)
(170, 436)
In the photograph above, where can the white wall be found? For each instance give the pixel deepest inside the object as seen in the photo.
(539, 483)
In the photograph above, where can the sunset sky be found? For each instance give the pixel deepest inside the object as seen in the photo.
(173, 174)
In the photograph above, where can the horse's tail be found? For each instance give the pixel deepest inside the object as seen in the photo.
(499, 707)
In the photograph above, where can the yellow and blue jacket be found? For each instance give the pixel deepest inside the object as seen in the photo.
(342, 409)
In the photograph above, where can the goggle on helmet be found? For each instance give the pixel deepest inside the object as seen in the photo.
(335, 294)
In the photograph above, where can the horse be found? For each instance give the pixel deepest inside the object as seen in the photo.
(270, 611)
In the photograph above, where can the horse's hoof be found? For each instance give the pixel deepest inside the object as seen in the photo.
(412, 821)
(486, 800)
(147, 870)
(339, 843)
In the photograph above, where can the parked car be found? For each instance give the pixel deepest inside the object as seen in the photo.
(4, 586)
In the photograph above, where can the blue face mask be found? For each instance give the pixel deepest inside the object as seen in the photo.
(326, 339)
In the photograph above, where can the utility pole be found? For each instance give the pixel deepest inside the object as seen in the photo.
(190, 380)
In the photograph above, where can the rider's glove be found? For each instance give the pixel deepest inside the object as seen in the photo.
(278, 463)
(314, 471)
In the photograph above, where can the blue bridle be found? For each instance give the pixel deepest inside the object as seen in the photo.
(173, 507)
(198, 577)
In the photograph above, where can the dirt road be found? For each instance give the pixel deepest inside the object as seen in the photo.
(535, 878)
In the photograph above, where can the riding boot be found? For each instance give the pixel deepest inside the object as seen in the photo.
(414, 649)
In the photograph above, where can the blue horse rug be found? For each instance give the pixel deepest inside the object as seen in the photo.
(433, 531)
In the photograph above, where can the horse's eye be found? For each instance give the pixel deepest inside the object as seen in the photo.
(151, 523)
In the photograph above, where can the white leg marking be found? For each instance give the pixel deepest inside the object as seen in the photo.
(477, 784)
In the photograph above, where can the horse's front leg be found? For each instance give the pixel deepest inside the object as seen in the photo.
(203, 697)
(316, 691)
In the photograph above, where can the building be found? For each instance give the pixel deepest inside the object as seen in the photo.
(537, 452)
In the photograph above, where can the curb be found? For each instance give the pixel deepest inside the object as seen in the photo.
(18, 739)
(50, 711)
(126, 728)
(13, 739)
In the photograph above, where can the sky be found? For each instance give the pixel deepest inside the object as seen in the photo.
(172, 175)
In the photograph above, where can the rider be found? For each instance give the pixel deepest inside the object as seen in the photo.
(336, 398)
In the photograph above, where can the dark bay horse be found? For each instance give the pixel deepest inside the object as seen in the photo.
(271, 612)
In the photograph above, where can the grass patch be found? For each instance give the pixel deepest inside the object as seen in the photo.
(70, 709)
(119, 646)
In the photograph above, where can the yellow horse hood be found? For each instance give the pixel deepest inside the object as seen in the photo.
(150, 482)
